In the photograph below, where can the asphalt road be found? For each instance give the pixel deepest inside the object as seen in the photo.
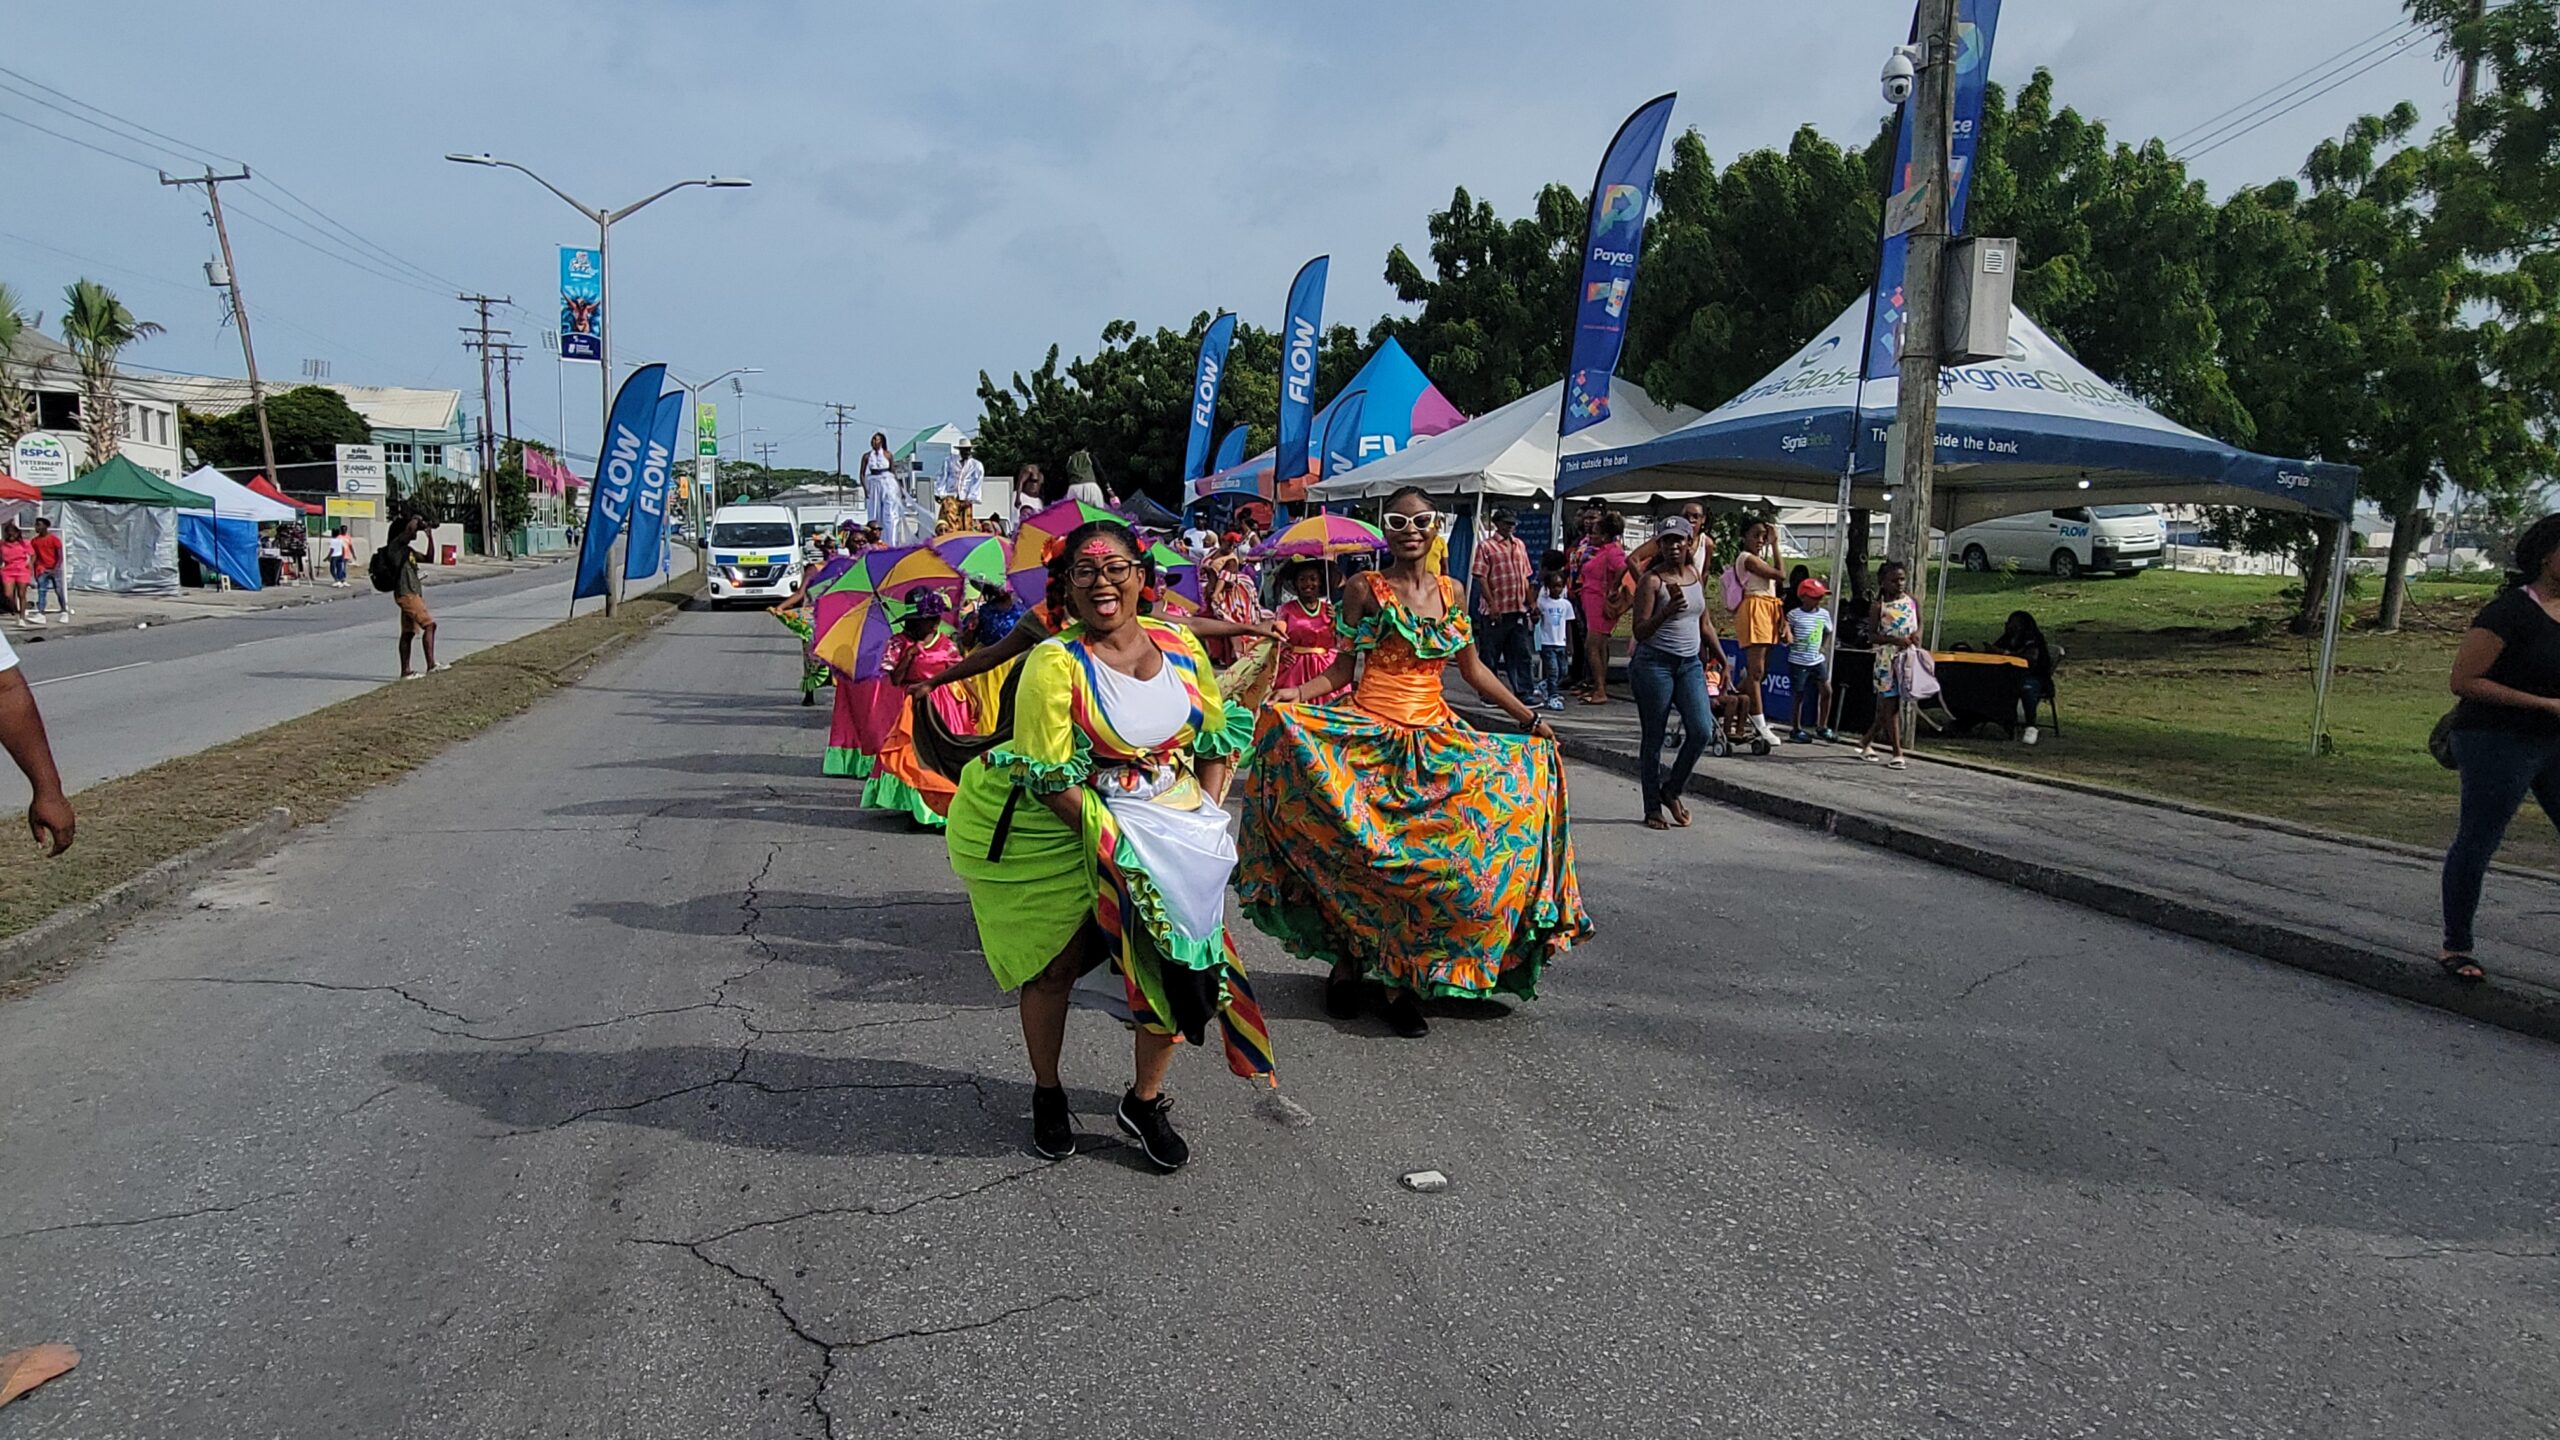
(614, 1077)
(123, 701)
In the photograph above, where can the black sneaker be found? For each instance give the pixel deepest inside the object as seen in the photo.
(1053, 1124)
(1345, 994)
(1403, 1015)
(1147, 1123)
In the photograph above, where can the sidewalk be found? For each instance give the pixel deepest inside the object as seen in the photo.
(95, 612)
(2363, 911)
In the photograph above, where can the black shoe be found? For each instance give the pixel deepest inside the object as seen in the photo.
(1053, 1125)
(1403, 1015)
(1147, 1123)
(1345, 995)
(808, 697)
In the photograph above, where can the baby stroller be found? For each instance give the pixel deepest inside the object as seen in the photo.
(1733, 727)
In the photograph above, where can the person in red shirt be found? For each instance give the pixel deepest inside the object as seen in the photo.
(1501, 569)
(46, 547)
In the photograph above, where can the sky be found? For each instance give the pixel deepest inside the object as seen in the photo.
(949, 187)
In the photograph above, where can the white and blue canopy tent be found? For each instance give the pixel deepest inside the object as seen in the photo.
(225, 537)
(2033, 430)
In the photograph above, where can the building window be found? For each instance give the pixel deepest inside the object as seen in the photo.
(431, 455)
(399, 452)
(57, 410)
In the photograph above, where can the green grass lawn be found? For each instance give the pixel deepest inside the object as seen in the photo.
(2188, 686)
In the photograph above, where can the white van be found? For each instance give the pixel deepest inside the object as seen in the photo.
(754, 553)
(2116, 539)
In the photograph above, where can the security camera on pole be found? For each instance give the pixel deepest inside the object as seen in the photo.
(1923, 75)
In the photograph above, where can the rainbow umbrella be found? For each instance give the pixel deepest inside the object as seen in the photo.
(976, 557)
(1029, 568)
(853, 644)
(1326, 537)
(1181, 573)
(832, 600)
(898, 571)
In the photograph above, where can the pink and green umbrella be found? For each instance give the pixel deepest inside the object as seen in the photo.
(976, 557)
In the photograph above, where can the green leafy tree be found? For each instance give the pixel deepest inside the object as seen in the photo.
(309, 423)
(1494, 307)
(97, 327)
(17, 404)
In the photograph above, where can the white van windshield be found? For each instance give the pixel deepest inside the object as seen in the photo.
(747, 534)
(2122, 512)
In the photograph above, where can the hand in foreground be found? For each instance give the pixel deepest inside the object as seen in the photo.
(1540, 730)
(50, 820)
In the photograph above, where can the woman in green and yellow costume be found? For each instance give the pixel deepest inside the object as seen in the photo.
(1094, 833)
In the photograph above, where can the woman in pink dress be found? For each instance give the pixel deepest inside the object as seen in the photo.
(17, 568)
(1306, 619)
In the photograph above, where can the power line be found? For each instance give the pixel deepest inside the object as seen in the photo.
(83, 144)
(2393, 29)
(190, 152)
(2376, 63)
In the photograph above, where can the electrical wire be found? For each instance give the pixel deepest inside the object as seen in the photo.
(2393, 30)
(2376, 63)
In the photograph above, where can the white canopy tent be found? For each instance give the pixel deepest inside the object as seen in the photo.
(1508, 452)
(235, 501)
(2033, 430)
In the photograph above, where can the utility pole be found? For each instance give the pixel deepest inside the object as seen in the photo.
(508, 353)
(213, 184)
(764, 455)
(2467, 89)
(488, 419)
(1933, 104)
(843, 417)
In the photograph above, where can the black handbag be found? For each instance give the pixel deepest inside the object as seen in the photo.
(2440, 740)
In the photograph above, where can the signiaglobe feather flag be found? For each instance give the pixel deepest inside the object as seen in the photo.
(626, 442)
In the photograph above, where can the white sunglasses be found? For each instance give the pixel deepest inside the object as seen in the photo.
(1397, 522)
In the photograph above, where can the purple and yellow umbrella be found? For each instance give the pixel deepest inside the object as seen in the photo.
(898, 571)
(854, 642)
(976, 557)
(1326, 537)
(1029, 567)
(1180, 572)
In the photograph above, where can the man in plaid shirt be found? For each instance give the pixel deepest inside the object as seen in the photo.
(1502, 577)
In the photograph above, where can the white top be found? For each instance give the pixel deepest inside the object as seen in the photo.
(1199, 541)
(341, 548)
(1754, 583)
(961, 479)
(9, 656)
(1147, 713)
(877, 468)
(1088, 492)
(1555, 620)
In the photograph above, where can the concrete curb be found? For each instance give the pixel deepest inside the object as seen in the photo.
(321, 595)
(2508, 1004)
(56, 937)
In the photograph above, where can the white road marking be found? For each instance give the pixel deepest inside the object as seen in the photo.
(85, 674)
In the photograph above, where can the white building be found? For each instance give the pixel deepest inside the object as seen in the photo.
(147, 413)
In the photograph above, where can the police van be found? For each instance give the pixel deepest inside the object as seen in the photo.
(2104, 539)
(754, 554)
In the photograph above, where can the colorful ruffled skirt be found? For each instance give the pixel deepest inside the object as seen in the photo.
(864, 713)
(1434, 858)
(814, 673)
(1033, 889)
(899, 778)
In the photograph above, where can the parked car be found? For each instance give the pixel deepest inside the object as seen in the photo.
(2110, 539)
(754, 554)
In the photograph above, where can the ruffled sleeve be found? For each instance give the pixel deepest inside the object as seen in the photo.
(1047, 753)
(1225, 729)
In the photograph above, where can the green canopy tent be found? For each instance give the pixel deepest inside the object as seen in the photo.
(119, 528)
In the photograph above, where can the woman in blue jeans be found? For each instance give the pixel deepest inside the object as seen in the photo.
(1673, 630)
(2506, 731)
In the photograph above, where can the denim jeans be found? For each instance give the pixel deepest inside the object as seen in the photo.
(1808, 681)
(1557, 661)
(50, 580)
(1505, 639)
(1662, 680)
(2499, 768)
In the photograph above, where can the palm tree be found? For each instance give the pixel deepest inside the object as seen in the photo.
(97, 327)
(17, 406)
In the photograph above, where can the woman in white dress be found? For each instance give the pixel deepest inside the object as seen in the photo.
(880, 490)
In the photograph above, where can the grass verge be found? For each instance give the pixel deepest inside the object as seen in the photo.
(316, 763)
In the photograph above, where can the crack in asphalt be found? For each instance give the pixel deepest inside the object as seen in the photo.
(432, 1009)
(2435, 1251)
(952, 1012)
(583, 1024)
(824, 1212)
(2010, 969)
(1001, 1316)
(139, 1220)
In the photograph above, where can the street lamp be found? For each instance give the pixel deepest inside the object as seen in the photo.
(701, 470)
(604, 220)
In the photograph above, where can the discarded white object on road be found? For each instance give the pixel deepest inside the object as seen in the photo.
(1426, 1182)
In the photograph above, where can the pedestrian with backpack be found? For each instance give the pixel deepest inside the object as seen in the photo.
(394, 570)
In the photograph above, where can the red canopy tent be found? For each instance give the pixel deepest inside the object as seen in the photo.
(266, 487)
(12, 488)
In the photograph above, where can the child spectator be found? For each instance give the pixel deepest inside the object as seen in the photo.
(1555, 641)
(1808, 626)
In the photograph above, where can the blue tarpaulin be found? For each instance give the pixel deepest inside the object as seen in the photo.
(222, 544)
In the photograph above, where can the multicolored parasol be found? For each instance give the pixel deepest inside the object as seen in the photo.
(1326, 537)
(898, 571)
(854, 642)
(976, 557)
(1029, 567)
(1180, 573)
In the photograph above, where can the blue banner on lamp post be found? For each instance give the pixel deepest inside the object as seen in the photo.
(627, 434)
(1206, 377)
(1301, 336)
(648, 544)
(581, 304)
(1611, 246)
(1977, 23)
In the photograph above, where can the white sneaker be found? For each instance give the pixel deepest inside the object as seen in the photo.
(36, 619)
(2028, 735)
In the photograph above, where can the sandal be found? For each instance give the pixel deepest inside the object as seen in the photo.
(2461, 967)
(1656, 822)
(1679, 814)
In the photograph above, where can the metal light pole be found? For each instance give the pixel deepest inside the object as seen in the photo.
(701, 467)
(604, 220)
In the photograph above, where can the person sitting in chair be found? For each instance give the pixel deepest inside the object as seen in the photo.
(2022, 639)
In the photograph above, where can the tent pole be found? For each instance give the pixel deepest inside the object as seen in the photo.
(2329, 639)
(1938, 610)
(1475, 539)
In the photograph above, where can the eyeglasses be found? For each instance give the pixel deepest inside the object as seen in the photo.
(1109, 572)
(1398, 522)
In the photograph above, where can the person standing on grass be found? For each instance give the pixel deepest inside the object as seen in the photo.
(1503, 598)
(2505, 731)
(410, 594)
(1672, 630)
(1895, 625)
(46, 547)
(1808, 674)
